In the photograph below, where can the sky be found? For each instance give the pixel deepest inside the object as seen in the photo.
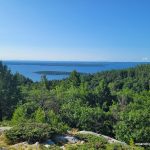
(75, 30)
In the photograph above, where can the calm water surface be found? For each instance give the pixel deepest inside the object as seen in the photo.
(28, 68)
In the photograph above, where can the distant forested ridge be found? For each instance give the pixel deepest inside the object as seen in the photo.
(114, 103)
(55, 72)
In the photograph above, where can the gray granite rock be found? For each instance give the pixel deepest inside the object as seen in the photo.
(2, 129)
(48, 143)
(66, 139)
(109, 139)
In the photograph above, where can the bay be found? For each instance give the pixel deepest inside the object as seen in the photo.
(30, 68)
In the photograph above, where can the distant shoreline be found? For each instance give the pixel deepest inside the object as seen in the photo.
(55, 72)
(55, 63)
(65, 63)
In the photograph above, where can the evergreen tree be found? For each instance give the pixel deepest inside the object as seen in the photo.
(9, 92)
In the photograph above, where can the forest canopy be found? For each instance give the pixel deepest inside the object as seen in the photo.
(114, 103)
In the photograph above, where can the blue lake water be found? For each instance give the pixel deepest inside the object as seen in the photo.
(28, 68)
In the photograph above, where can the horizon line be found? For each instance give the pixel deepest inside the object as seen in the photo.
(17, 60)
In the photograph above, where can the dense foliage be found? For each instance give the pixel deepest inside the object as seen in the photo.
(31, 132)
(135, 120)
(114, 103)
(9, 92)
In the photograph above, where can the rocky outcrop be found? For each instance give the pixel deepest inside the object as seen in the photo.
(66, 139)
(2, 129)
(48, 143)
(69, 138)
(25, 145)
(109, 139)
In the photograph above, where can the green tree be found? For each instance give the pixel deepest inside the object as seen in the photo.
(24, 113)
(40, 116)
(79, 115)
(135, 120)
(9, 92)
(19, 116)
(74, 78)
(103, 95)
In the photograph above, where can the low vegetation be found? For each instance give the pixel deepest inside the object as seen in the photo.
(30, 132)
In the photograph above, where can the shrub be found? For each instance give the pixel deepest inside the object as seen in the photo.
(54, 121)
(91, 142)
(91, 138)
(5, 123)
(52, 147)
(30, 132)
(117, 146)
(86, 146)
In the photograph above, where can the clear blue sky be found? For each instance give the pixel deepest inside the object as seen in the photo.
(87, 30)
